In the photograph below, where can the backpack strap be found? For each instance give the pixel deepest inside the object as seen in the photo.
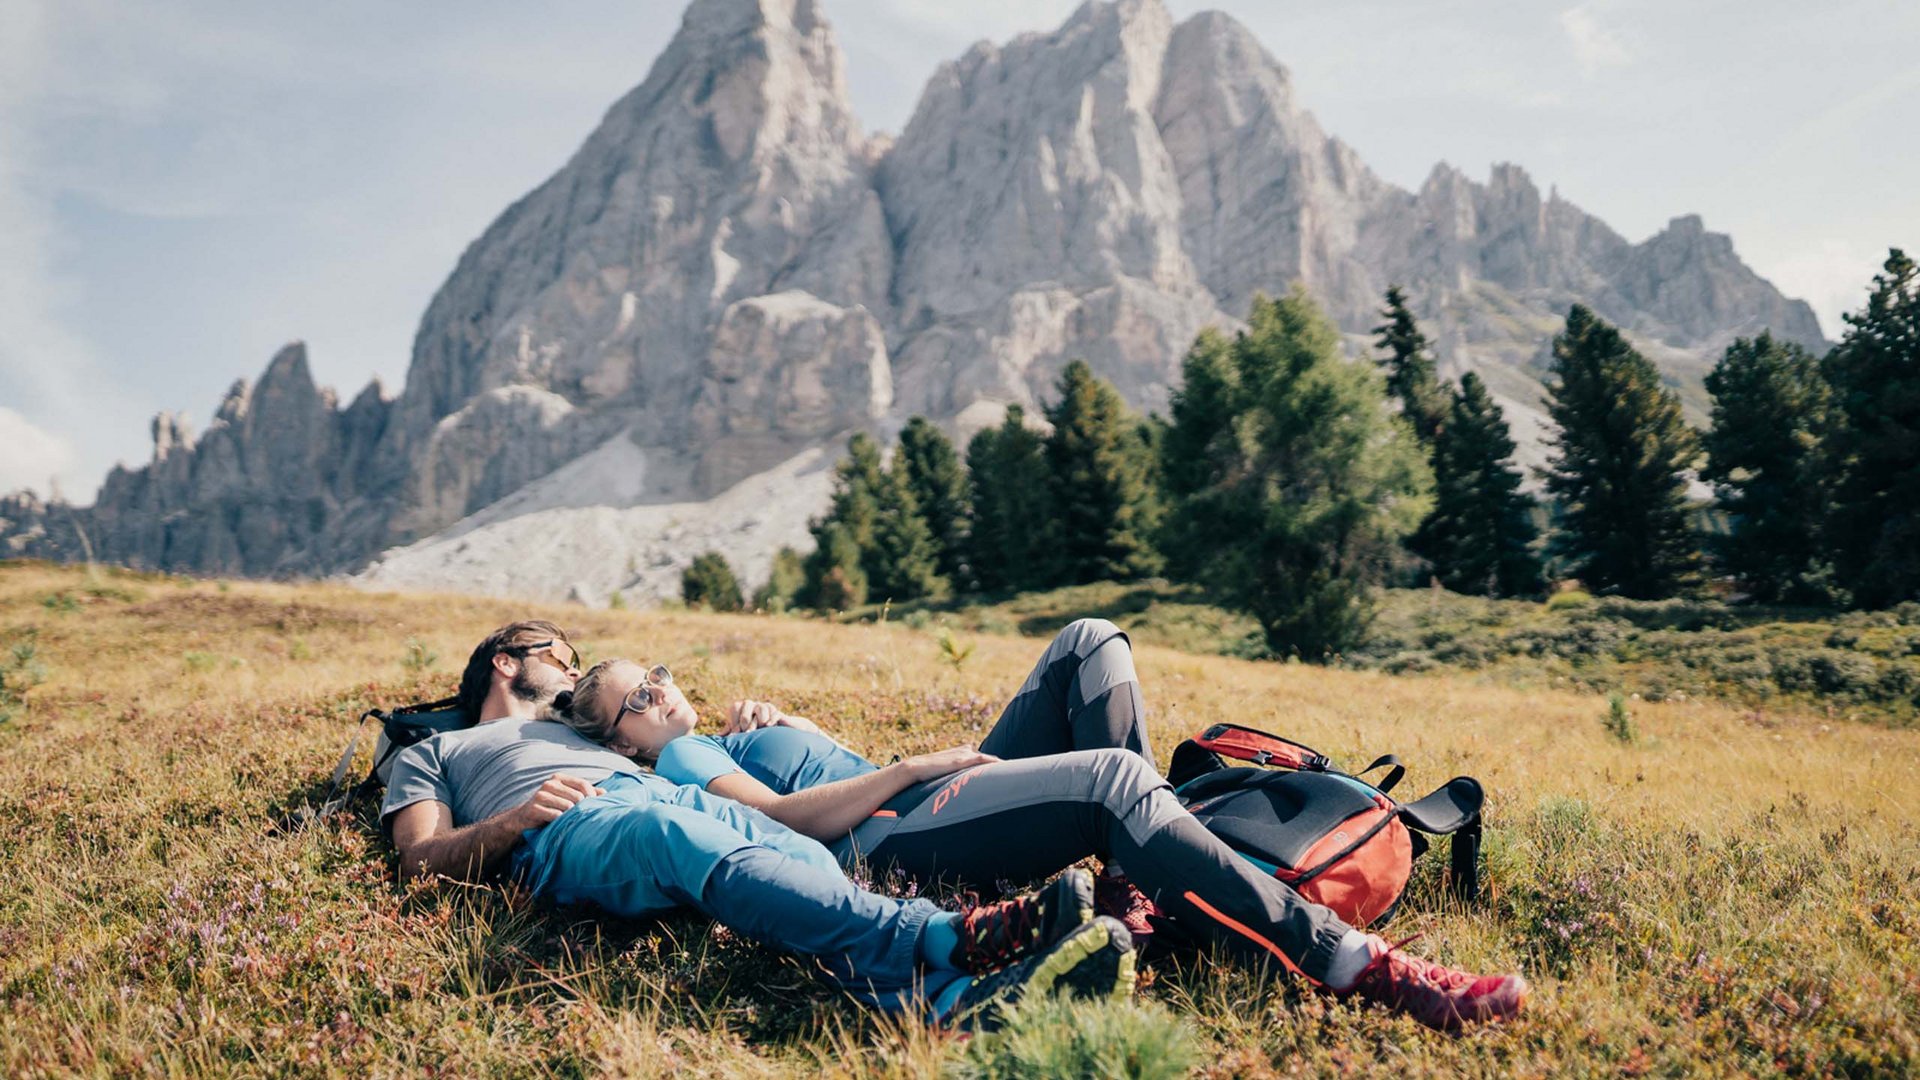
(337, 798)
(1249, 744)
(1454, 808)
(1190, 762)
(1393, 776)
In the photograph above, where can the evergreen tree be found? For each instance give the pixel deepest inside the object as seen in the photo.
(1105, 504)
(939, 486)
(1764, 459)
(1619, 464)
(1010, 540)
(904, 561)
(784, 582)
(836, 580)
(1198, 450)
(852, 513)
(710, 583)
(1480, 535)
(1875, 375)
(1412, 377)
(1298, 483)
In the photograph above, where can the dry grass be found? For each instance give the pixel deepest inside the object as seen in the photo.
(1729, 894)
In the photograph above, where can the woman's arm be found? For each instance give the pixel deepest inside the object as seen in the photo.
(830, 811)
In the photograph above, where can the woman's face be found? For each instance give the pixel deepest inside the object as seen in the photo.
(644, 732)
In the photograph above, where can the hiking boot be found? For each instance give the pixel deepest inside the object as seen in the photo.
(1115, 896)
(1439, 997)
(1094, 960)
(995, 935)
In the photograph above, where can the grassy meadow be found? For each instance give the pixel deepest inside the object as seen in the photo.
(1734, 891)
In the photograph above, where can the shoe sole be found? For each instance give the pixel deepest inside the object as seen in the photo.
(1094, 961)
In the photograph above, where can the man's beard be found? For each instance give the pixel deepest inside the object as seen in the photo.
(522, 687)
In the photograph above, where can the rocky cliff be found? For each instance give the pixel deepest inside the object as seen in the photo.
(729, 275)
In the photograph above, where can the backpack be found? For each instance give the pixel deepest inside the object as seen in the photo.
(1335, 838)
(399, 729)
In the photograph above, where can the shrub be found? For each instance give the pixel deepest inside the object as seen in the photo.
(784, 582)
(20, 671)
(1619, 720)
(710, 583)
(419, 657)
(1569, 598)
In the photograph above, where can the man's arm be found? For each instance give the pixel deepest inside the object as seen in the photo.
(830, 811)
(748, 715)
(428, 842)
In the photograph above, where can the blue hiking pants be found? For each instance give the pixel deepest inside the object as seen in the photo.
(648, 846)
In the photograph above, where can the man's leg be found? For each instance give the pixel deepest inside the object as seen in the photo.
(1082, 695)
(1017, 820)
(639, 855)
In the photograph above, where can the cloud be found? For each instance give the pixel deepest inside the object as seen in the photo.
(1594, 46)
(1834, 276)
(33, 458)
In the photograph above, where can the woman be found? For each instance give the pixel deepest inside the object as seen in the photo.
(1063, 775)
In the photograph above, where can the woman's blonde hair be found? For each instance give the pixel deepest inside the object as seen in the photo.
(577, 709)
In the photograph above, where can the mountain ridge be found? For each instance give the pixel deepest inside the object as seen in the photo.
(730, 272)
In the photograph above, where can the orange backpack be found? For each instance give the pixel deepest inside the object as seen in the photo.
(1337, 839)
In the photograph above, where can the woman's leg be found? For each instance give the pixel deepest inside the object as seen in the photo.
(1018, 820)
(1082, 695)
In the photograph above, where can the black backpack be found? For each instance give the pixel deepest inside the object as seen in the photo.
(399, 729)
(1335, 838)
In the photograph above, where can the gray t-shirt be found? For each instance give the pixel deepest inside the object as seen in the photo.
(482, 770)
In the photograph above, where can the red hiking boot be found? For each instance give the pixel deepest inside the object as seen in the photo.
(1116, 897)
(995, 935)
(1439, 997)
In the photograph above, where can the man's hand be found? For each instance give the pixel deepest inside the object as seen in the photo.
(554, 798)
(941, 762)
(748, 715)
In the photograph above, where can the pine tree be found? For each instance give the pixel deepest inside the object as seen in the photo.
(1412, 377)
(784, 582)
(1296, 482)
(835, 579)
(1105, 503)
(1010, 542)
(939, 485)
(1875, 375)
(904, 561)
(851, 516)
(1619, 464)
(1480, 535)
(1764, 459)
(710, 583)
(1198, 449)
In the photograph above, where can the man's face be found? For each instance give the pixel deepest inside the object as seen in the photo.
(644, 731)
(542, 673)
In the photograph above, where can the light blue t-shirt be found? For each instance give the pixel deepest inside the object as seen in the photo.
(783, 758)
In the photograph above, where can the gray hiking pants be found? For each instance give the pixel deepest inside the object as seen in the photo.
(1079, 781)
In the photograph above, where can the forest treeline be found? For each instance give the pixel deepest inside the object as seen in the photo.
(1291, 483)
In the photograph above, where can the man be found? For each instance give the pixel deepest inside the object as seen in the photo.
(1078, 781)
(576, 823)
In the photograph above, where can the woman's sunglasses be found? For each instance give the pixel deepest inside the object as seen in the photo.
(645, 696)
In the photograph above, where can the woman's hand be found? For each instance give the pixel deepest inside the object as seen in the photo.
(748, 715)
(941, 762)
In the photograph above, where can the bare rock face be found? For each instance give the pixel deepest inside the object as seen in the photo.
(728, 277)
(736, 170)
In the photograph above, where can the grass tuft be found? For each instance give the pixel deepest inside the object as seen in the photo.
(1060, 1038)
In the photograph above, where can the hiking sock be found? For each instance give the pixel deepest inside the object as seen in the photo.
(947, 998)
(1350, 958)
(938, 940)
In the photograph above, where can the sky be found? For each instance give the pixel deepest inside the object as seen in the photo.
(187, 185)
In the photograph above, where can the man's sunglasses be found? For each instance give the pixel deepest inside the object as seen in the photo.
(555, 652)
(645, 696)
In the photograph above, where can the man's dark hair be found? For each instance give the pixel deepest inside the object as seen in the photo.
(512, 639)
